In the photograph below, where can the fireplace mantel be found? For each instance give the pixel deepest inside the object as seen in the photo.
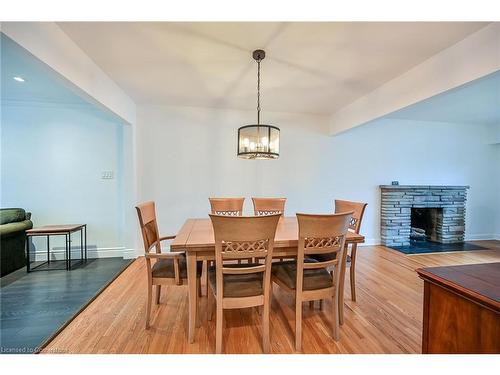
(398, 200)
(419, 187)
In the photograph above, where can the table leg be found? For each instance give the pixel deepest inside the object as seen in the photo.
(69, 250)
(192, 293)
(81, 245)
(341, 284)
(48, 249)
(27, 254)
(85, 243)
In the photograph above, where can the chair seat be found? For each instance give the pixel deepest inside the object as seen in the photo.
(314, 279)
(164, 268)
(326, 257)
(235, 286)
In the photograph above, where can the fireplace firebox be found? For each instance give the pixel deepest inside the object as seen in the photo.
(425, 223)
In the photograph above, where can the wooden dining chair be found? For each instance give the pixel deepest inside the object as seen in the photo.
(308, 278)
(268, 206)
(237, 286)
(167, 268)
(227, 206)
(358, 210)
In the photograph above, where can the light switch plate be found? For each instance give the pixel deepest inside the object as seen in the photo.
(107, 175)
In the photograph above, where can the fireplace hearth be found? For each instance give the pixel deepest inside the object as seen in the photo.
(422, 213)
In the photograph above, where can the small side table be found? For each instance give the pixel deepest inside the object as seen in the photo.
(58, 230)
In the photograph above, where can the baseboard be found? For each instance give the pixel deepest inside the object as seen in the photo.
(371, 242)
(103, 252)
(482, 237)
(129, 253)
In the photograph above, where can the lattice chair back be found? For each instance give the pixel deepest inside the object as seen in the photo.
(243, 237)
(358, 209)
(321, 234)
(227, 206)
(149, 227)
(269, 206)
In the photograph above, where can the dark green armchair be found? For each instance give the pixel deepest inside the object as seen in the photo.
(13, 224)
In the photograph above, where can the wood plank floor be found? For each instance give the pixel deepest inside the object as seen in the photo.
(387, 317)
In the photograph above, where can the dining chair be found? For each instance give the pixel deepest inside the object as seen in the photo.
(227, 206)
(358, 209)
(167, 268)
(308, 278)
(224, 207)
(236, 285)
(268, 206)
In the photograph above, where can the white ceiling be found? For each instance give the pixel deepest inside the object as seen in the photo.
(477, 102)
(41, 84)
(310, 67)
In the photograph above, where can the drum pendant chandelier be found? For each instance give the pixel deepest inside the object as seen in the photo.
(258, 141)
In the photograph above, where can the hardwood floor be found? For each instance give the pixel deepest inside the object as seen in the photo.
(387, 317)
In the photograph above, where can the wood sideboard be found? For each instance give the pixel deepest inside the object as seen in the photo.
(461, 309)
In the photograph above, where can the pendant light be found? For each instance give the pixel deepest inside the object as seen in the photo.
(258, 141)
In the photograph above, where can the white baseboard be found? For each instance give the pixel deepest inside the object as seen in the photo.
(482, 237)
(92, 253)
(371, 242)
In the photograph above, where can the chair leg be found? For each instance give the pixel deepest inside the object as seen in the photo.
(198, 286)
(265, 328)
(321, 304)
(298, 325)
(210, 302)
(205, 270)
(335, 318)
(158, 291)
(148, 305)
(352, 272)
(218, 328)
(311, 304)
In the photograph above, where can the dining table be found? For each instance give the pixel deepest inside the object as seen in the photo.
(196, 238)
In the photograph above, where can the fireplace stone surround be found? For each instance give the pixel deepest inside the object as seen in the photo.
(395, 212)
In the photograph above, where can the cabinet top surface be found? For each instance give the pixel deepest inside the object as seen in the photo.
(480, 282)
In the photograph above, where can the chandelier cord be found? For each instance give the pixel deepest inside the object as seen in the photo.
(258, 92)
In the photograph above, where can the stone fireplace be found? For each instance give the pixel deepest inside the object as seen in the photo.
(430, 213)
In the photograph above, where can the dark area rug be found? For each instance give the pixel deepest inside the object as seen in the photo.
(35, 306)
(425, 247)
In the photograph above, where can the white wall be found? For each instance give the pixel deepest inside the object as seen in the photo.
(51, 163)
(187, 154)
(497, 167)
(417, 152)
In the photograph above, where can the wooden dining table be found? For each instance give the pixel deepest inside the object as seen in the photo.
(196, 238)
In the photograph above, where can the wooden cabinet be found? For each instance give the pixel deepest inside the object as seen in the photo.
(461, 309)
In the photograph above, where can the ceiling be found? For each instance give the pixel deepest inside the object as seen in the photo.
(310, 67)
(477, 102)
(41, 84)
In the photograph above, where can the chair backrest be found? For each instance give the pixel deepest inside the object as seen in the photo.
(268, 206)
(243, 237)
(321, 234)
(149, 227)
(358, 209)
(227, 206)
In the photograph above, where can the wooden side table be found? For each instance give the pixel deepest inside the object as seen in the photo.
(461, 309)
(58, 230)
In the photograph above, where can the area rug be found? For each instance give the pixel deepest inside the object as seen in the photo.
(35, 306)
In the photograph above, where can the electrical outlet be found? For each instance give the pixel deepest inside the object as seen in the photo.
(107, 175)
